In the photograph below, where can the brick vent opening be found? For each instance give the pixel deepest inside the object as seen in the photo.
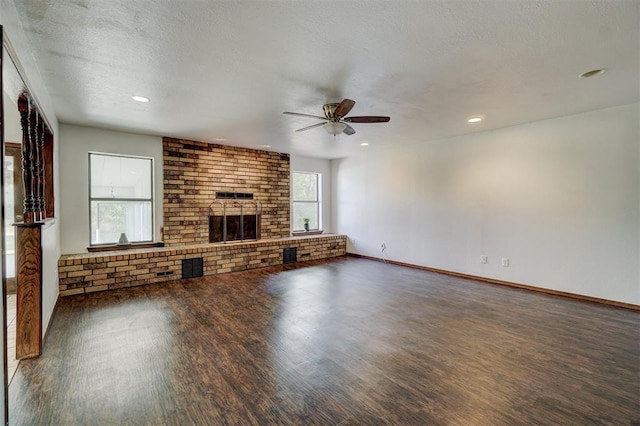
(290, 255)
(192, 268)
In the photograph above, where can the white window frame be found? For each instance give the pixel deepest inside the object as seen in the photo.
(318, 201)
(151, 199)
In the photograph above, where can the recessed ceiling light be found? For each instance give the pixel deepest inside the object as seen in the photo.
(474, 119)
(364, 144)
(264, 146)
(593, 73)
(140, 98)
(219, 140)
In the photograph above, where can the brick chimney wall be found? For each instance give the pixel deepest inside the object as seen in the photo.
(195, 171)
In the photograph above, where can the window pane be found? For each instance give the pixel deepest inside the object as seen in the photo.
(305, 210)
(111, 218)
(120, 177)
(305, 187)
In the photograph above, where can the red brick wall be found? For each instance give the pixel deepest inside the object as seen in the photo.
(195, 171)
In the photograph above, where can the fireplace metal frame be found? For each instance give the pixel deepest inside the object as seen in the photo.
(225, 206)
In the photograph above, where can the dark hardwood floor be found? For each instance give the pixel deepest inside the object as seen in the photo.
(345, 341)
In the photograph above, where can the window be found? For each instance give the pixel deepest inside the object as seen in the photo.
(120, 198)
(306, 200)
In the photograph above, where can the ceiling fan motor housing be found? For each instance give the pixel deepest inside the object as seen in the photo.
(329, 110)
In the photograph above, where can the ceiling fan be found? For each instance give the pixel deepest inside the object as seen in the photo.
(334, 120)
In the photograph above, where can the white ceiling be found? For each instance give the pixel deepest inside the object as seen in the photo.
(227, 69)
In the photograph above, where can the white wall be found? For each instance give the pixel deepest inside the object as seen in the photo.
(560, 198)
(75, 144)
(317, 165)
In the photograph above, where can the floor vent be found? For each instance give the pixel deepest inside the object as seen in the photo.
(192, 268)
(290, 255)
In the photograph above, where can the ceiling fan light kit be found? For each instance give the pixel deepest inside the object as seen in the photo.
(336, 120)
(334, 127)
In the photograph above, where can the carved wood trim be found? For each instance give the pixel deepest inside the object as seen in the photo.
(27, 156)
(49, 199)
(39, 170)
(37, 161)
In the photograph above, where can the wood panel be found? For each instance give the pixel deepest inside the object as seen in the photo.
(29, 291)
(347, 341)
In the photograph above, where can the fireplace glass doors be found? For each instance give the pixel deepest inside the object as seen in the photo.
(234, 221)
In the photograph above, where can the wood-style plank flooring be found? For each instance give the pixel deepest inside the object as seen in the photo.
(340, 342)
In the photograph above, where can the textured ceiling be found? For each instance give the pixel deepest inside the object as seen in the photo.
(227, 69)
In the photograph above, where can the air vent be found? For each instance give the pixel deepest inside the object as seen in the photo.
(192, 268)
(290, 255)
(234, 195)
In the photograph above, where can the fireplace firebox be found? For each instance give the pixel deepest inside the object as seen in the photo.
(234, 221)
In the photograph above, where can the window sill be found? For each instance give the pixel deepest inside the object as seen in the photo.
(313, 232)
(112, 247)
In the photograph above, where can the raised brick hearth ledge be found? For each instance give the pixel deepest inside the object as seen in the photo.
(89, 272)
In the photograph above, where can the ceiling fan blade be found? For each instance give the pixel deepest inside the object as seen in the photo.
(348, 130)
(367, 119)
(343, 108)
(310, 127)
(305, 115)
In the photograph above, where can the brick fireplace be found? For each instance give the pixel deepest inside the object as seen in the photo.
(195, 171)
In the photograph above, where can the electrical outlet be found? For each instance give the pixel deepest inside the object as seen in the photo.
(505, 262)
(484, 259)
(383, 247)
